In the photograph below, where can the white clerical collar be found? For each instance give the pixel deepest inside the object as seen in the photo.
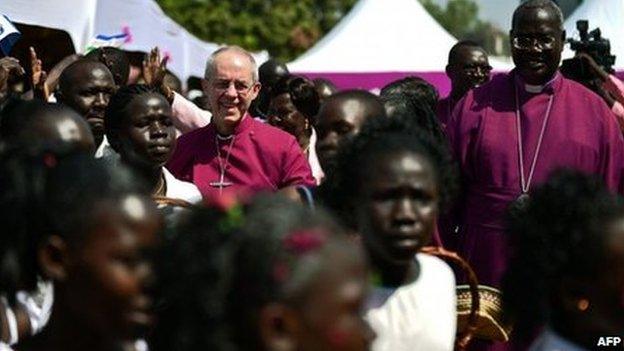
(534, 89)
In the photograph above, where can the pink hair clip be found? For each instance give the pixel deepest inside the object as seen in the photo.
(49, 160)
(304, 241)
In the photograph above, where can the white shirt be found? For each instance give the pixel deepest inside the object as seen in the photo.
(106, 152)
(178, 189)
(315, 165)
(420, 316)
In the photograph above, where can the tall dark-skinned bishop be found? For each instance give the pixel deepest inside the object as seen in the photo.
(511, 133)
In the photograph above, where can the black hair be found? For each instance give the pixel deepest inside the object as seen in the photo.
(452, 56)
(173, 82)
(378, 137)
(49, 191)
(193, 273)
(116, 61)
(302, 94)
(266, 71)
(116, 115)
(20, 116)
(416, 108)
(562, 234)
(372, 103)
(221, 268)
(320, 83)
(413, 87)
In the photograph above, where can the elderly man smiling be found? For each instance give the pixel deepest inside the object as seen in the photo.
(236, 154)
(509, 134)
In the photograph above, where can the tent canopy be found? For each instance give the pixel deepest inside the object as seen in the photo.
(387, 38)
(608, 15)
(147, 23)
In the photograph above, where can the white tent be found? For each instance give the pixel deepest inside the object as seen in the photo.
(76, 17)
(382, 36)
(148, 24)
(606, 14)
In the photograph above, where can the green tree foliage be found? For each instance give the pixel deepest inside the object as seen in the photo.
(285, 28)
(461, 19)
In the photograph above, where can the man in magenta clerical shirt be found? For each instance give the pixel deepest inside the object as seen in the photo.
(510, 134)
(236, 154)
(468, 67)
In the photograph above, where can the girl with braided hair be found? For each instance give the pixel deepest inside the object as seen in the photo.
(278, 278)
(389, 184)
(85, 227)
(567, 270)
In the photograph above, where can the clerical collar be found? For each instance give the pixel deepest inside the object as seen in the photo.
(245, 123)
(224, 137)
(537, 89)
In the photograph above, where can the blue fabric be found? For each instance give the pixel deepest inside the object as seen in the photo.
(9, 35)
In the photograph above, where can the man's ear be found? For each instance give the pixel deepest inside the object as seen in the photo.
(205, 85)
(279, 327)
(53, 258)
(448, 70)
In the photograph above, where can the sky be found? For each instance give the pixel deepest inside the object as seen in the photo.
(496, 11)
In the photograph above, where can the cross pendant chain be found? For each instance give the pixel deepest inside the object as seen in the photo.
(221, 183)
(222, 166)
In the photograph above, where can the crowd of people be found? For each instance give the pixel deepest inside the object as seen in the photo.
(279, 213)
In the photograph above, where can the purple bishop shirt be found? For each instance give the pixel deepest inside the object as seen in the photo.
(262, 158)
(581, 134)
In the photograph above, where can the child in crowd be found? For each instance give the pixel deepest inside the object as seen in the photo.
(388, 185)
(87, 228)
(288, 280)
(567, 271)
(138, 126)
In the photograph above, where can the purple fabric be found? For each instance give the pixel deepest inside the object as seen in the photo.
(263, 158)
(582, 134)
(444, 110)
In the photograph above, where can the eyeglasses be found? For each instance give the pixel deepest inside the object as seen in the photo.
(545, 42)
(241, 88)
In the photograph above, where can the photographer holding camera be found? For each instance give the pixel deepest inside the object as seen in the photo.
(608, 86)
(592, 66)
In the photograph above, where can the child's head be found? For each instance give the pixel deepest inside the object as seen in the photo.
(388, 185)
(139, 127)
(288, 278)
(85, 226)
(568, 264)
(35, 123)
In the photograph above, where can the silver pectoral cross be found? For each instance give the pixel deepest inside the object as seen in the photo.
(221, 183)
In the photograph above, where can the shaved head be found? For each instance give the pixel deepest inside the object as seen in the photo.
(341, 116)
(534, 5)
(76, 71)
(86, 86)
(44, 123)
(455, 54)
